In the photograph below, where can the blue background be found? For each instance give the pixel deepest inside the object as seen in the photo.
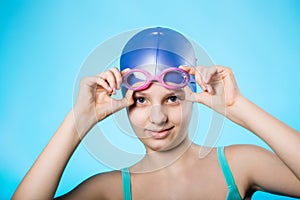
(44, 43)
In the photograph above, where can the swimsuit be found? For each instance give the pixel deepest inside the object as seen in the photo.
(233, 193)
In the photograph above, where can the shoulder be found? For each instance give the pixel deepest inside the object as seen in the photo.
(256, 168)
(106, 185)
(248, 160)
(244, 152)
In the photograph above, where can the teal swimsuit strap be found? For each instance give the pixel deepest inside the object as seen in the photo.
(233, 192)
(126, 184)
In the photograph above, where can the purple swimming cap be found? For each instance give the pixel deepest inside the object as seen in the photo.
(155, 49)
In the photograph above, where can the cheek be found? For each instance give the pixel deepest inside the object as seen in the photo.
(180, 115)
(175, 114)
(138, 116)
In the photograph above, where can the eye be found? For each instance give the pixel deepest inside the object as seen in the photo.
(172, 99)
(140, 100)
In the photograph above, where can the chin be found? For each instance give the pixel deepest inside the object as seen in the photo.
(163, 145)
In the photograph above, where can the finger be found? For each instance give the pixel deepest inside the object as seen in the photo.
(129, 97)
(90, 81)
(210, 72)
(188, 69)
(118, 76)
(225, 72)
(195, 72)
(189, 94)
(199, 76)
(100, 81)
(111, 80)
(122, 103)
(219, 74)
(94, 81)
(201, 97)
(204, 98)
(211, 76)
(125, 71)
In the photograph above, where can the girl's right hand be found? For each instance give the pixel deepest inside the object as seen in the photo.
(94, 102)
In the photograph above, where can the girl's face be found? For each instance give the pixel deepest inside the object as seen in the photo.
(160, 117)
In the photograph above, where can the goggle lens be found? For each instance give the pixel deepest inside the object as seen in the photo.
(175, 78)
(136, 79)
(171, 78)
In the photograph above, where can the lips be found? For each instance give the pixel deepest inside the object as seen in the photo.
(159, 134)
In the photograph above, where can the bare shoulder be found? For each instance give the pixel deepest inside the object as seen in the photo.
(106, 185)
(244, 152)
(246, 160)
(257, 168)
(251, 159)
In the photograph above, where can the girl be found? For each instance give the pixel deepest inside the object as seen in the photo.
(159, 96)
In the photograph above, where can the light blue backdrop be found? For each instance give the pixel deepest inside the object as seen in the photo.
(43, 44)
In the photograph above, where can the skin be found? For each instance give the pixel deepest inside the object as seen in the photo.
(188, 177)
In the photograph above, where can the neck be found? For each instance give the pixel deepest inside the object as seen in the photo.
(158, 160)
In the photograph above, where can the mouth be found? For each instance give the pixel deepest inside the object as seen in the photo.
(160, 134)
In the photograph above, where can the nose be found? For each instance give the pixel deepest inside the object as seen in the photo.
(158, 115)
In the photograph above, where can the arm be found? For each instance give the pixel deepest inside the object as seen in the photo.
(284, 140)
(221, 93)
(93, 105)
(42, 179)
(255, 168)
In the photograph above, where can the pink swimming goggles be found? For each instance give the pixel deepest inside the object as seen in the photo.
(171, 78)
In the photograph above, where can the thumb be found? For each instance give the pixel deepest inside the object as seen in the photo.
(124, 102)
(128, 99)
(201, 97)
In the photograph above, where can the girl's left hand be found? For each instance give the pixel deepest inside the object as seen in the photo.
(220, 90)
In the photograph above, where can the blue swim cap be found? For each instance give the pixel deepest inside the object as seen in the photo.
(155, 49)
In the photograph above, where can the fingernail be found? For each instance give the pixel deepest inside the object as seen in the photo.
(209, 89)
(206, 79)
